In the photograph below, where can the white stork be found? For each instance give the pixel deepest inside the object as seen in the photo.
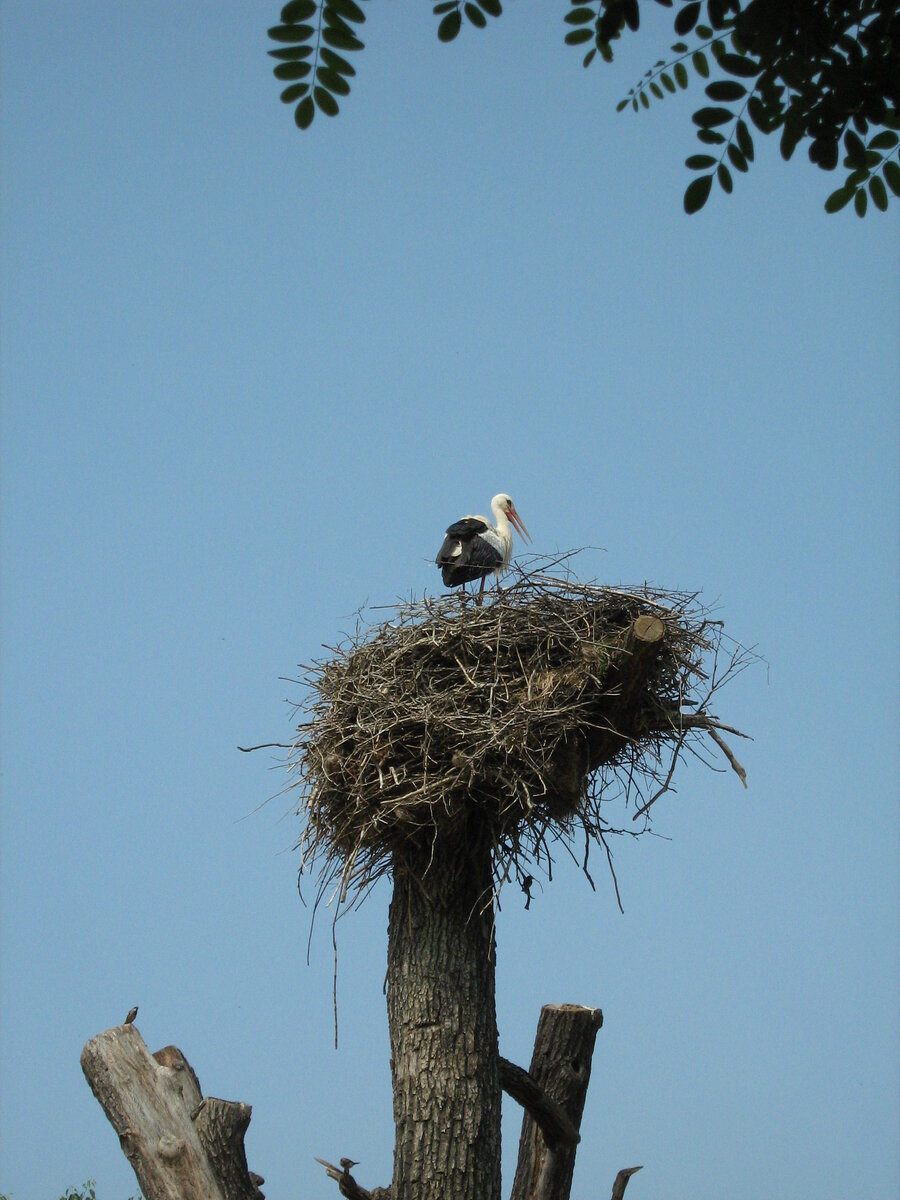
(474, 548)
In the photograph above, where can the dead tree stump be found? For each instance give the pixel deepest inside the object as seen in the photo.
(181, 1146)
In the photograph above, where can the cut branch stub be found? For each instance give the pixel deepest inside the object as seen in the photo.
(561, 1068)
(181, 1146)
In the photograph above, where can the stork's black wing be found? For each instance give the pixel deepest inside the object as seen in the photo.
(464, 555)
(468, 527)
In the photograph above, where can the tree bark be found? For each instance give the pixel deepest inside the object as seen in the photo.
(561, 1067)
(443, 1026)
(181, 1146)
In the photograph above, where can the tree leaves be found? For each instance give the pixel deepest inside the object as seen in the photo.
(451, 14)
(312, 50)
(697, 193)
(864, 160)
(816, 73)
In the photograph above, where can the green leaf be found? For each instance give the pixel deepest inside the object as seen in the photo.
(700, 162)
(878, 192)
(737, 64)
(790, 136)
(450, 26)
(860, 203)
(725, 89)
(333, 81)
(679, 47)
(294, 92)
(724, 176)
(298, 10)
(744, 140)
(348, 9)
(445, 7)
(681, 75)
(493, 8)
(330, 59)
(667, 82)
(717, 49)
(634, 104)
(838, 199)
(705, 117)
(622, 104)
(291, 33)
(304, 113)
(577, 36)
(891, 173)
(656, 90)
(644, 100)
(589, 57)
(701, 64)
(291, 53)
(886, 140)
(475, 15)
(293, 70)
(856, 150)
(736, 158)
(687, 18)
(697, 193)
(704, 32)
(340, 39)
(711, 137)
(580, 16)
(335, 21)
(855, 178)
(326, 101)
(757, 112)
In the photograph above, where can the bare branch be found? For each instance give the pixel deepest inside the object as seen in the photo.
(550, 1116)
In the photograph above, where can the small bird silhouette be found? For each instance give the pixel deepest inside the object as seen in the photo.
(132, 1013)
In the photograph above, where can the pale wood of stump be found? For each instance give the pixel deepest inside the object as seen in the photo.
(180, 1146)
(560, 1067)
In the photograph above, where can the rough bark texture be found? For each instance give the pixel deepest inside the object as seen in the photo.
(180, 1146)
(443, 1027)
(561, 1067)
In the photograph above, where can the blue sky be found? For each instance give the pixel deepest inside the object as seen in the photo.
(248, 376)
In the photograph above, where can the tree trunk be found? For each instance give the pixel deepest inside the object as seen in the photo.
(443, 1026)
(561, 1067)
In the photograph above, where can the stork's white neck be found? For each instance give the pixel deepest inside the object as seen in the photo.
(502, 521)
(504, 533)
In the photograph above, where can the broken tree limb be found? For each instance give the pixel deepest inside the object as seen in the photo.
(561, 1068)
(621, 1182)
(180, 1146)
(551, 1117)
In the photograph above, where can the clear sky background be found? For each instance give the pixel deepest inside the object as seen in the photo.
(248, 377)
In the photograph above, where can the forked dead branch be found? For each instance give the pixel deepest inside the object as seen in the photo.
(553, 713)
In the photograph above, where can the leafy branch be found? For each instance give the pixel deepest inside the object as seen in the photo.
(807, 93)
(317, 73)
(824, 72)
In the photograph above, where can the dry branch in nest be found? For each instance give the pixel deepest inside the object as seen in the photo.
(531, 715)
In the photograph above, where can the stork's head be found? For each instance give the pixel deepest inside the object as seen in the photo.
(502, 503)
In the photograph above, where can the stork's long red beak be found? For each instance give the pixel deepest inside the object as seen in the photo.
(519, 524)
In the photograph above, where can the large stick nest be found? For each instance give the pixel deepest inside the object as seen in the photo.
(528, 716)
